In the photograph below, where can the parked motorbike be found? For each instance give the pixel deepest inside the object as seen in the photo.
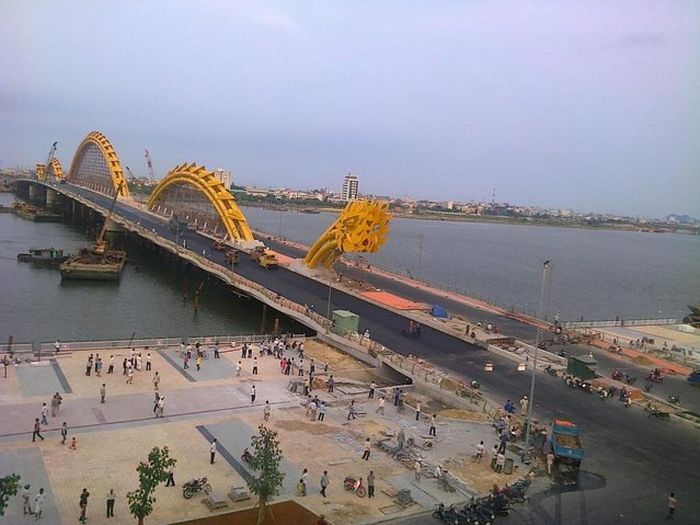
(191, 487)
(349, 484)
(675, 399)
(448, 515)
(551, 371)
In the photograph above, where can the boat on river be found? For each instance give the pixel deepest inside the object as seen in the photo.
(96, 263)
(43, 255)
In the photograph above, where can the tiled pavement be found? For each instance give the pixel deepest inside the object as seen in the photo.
(113, 437)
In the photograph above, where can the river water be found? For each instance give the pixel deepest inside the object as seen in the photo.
(37, 306)
(598, 274)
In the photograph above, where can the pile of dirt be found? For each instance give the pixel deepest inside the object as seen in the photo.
(324, 353)
(466, 415)
(478, 476)
(302, 425)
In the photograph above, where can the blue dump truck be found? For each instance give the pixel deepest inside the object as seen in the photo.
(568, 451)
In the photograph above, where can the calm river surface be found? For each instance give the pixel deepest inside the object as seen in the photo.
(37, 306)
(599, 274)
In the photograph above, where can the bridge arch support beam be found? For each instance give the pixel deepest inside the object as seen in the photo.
(96, 166)
(189, 189)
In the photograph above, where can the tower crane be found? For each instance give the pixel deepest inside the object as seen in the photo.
(52, 152)
(150, 165)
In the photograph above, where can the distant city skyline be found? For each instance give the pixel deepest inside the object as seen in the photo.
(591, 107)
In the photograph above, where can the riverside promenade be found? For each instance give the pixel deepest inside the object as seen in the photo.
(112, 437)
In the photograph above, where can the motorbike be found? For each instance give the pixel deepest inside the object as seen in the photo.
(191, 487)
(448, 515)
(673, 398)
(246, 456)
(551, 371)
(349, 484)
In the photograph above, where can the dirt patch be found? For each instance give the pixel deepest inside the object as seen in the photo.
(284, 512)
(466, 415)
(327, 354)
(303, 425)
(641, 360)
(478, 476)
(371, 427)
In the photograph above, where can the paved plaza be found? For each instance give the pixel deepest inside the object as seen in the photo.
(215, 402)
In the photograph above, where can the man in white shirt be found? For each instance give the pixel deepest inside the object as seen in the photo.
(212, 451)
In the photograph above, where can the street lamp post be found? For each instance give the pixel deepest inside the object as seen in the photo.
(330, 290)
(543, 306)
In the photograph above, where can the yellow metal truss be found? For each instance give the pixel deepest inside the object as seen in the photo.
(54, 169)
(213, 189)
(361, 227)
(111, 159)
(41, 171)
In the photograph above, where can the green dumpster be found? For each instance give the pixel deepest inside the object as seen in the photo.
(581, 366)
(345, 321)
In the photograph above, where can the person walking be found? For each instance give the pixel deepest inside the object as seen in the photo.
(39, 504)
(54, 405)
(98, 365)
(380, 408)
(266, 411)
(64, 433)
(84, 495)
(500, 462)
(671, 506)
(156, 381)
(330, 384)
(252, 395)
(111, 496)
(432, 430)
(212, 452)
(418, 407)
(255, 366)
(370, 484)
(494, 456)
(198, 361)
(130, 376)
(161, 407)
(110, 368)
(88, 366)
(148, 362)
(44, 414)
(372, 388)
(523, 405)
(124, 365)
(351, 410)
(171, 479)
(57, 346)
(503, 438)
(216, 350)
(325, 480)
(37, 431)
(550, 462)
(368, 448)
(239, 367)
(417, 469)
(479, 454)
(26, 505)
(103, 393)
(322, 411)
(185, 361)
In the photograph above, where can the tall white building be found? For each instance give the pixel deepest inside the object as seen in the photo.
(350, 187)
(224, 176)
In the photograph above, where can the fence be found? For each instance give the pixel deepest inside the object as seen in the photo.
(619, 323)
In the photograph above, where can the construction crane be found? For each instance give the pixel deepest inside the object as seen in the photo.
(42, 173)
(131, 174)
(101, 244)
(150, 165)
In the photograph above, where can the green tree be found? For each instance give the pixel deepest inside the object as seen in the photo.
(151, 474)
(9, 485)
(265, 463)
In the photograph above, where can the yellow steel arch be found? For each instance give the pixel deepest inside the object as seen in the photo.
(54, 168)
(213, 189)
(362, 226)
(111, 159)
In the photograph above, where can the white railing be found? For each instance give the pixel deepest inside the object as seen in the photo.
(619, 323)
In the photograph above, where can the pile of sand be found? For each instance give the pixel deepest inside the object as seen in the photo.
(466, 415)
(324, 353)
(479, 476)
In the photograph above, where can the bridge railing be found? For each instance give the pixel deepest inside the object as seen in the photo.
(619, 323)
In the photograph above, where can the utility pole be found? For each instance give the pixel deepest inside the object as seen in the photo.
(420, 253)
(543, 307)
(330, 290)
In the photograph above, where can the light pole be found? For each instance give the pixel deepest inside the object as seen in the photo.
(330, 290)
(543, 306)
(420, 253)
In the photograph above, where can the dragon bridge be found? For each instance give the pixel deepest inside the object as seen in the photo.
(194, 194)
(96, 166)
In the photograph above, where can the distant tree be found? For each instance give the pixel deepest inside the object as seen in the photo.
(9, 485)
(265, 462)
(151, 474)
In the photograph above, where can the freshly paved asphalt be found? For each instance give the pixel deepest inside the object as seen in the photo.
(632, 461)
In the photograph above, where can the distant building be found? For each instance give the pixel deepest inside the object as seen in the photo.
(224, 176)
(350, 188)
(450, 205)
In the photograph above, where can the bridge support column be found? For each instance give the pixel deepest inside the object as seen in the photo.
(53, 198)
(34, 193)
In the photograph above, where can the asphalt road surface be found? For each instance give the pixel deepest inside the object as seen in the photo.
(632, 461)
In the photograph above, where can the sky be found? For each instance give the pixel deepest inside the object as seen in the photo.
(591, 106)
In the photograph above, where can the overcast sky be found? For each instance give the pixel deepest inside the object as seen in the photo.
(584, 105)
